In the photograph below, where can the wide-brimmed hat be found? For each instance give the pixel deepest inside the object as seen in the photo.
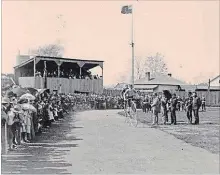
(5, 100)
(10, 94)
(21, 101)
(16, 109)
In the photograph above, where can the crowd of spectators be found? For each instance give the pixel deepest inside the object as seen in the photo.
(24, 118)
(69, 74)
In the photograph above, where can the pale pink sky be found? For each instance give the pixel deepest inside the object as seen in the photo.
(186, 32)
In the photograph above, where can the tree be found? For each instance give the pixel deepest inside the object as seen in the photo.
(139, 68)
(152, 64)
(155, 64)
(53, 50)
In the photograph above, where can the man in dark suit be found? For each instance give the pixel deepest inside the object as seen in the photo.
(189, 101)
(164, 101)
(173, 109)
(196, 103)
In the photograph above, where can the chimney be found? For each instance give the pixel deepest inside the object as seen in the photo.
(170, 75)
(147, 74)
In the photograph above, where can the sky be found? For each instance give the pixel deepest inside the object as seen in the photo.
(185, 32)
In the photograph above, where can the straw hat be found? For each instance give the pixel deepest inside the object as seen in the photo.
(16, 109)
(5, 100)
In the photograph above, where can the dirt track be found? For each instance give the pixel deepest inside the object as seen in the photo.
(100, 142)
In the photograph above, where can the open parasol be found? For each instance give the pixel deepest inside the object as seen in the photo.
(32, 91)
(41, 91)
(29, 107)
(27, 96)
(18, 91)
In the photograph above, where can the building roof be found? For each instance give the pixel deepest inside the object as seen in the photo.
(189, 87)
(159, 79)
(145, 87)
(93, 63)
(70, 59)
(215, 78)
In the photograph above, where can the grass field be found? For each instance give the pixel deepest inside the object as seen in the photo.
(204, 135)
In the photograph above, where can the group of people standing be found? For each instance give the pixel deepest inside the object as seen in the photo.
(22, 119)
(166, 105)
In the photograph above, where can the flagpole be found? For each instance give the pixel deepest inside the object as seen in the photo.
(132, 46)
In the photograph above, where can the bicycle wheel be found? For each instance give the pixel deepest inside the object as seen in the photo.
(133, 114)
(126, 112)
(134, 120)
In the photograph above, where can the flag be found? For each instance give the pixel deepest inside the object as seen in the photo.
(126, 9)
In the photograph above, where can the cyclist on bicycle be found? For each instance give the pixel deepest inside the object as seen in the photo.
(124, 90)
(129, 95)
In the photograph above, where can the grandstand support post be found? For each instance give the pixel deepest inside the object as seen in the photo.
(80, 72)
(59, 63)
(34, 72)
(58, 68)
(58, 77)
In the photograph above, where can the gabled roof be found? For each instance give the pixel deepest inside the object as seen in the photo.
(89, 63)
(160, 79)
(215, 78)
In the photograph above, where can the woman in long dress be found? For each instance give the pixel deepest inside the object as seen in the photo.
(50, 113)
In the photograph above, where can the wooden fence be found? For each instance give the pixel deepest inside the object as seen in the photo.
(212, 97)
(67, 85)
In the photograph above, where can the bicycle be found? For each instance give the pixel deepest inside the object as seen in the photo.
(131, 113)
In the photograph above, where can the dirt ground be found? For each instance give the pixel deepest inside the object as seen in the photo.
(100, 142)
(45, 154)
(205, 135)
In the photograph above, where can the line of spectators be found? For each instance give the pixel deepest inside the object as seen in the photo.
(70, 75)
(24, 123)
(22, 119)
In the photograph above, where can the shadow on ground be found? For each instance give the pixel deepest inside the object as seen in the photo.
(46, 154)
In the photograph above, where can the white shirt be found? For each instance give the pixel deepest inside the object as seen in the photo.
(11, 116)
(130, 93)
